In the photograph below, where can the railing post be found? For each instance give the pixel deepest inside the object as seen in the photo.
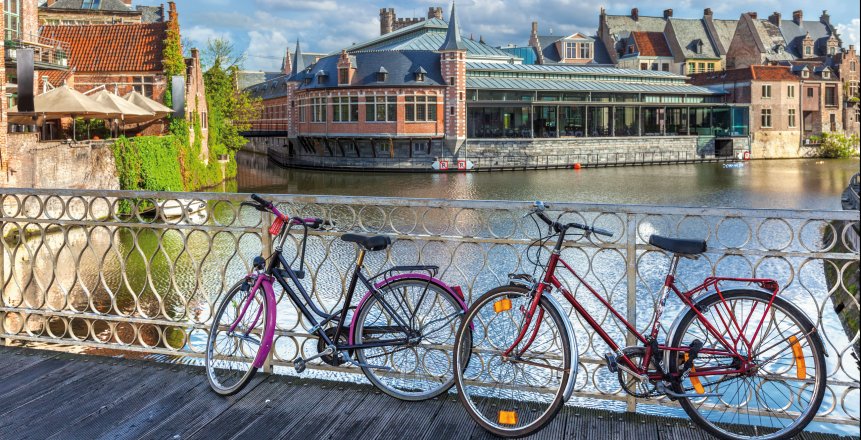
(6, 341)
(265, 220)
(631, 272)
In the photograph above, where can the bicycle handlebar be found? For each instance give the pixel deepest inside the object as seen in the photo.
(560, 227)
(267, 206)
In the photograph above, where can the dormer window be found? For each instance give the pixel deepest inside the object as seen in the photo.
(805, 73)
(420, 74)
(832, 50)
(779, 48)
(826, 74)
(307, 80)
(344, 76)
(382, 74)
(698, 46)
(322, 77)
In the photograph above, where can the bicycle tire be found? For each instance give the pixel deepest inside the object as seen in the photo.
(376, 376)
(464, 345)
(817, 352)
(211, 339)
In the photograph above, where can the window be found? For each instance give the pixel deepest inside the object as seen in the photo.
(204, 120)
(808, 50)
(380, 109)
(853, 89)
(318, 109)
(343, 76)
(701, 67)
(790, 91)
(831, 96)
(832, 50)
(302, 109)
(644, 66)
(570, 50)
(12, 19)
(143, 85)
(766, 90)
(665, 67)
(826, 74)
(792, 118)
(90, 4)
(692, 67)
(420, 108)
(766, 118)
(654, 66)
(852, 66)
(345, 109)
(585, 51)
(805, 74)
(382, 74)
(810, 92)
(419, 74)
(711, 67)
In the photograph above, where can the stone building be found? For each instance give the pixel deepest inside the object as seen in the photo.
(85, 12)
(846, 65)
(648, 51)
(576, 48)
(425, 91)
(776, 103)
(389, 21)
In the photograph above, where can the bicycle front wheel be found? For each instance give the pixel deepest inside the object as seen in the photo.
(412, 359)
(776, 397)
(518, 394)
(234, 339)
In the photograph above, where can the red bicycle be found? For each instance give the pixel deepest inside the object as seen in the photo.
(742, 362)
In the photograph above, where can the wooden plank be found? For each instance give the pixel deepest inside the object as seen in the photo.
(291, 402)
(332, 410)
(130, 401)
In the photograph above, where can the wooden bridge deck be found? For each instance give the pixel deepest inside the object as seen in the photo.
(53, 395)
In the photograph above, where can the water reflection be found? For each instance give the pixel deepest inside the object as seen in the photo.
(790, 183)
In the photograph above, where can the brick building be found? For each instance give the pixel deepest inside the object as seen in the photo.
(84, 12)
(776, 101)
(389, 21)
(424, 90)
(576, 48)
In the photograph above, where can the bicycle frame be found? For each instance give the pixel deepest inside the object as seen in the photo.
(280, 271)
(649, 341)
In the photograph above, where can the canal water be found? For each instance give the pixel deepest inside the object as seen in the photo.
(789, 183)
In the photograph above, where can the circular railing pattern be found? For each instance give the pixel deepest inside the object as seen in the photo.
(143, 271)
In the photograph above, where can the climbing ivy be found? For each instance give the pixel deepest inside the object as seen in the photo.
(172, 59)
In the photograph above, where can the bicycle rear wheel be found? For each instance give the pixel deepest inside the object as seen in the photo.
(774, 400)
(517, 395)
(422, 368)
(230, 354)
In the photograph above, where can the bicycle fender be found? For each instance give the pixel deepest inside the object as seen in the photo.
(406, 276)
(575, 353)
(674, 327)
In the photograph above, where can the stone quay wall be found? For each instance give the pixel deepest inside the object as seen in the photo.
(80, 165)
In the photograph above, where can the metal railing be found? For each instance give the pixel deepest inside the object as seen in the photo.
(46, 51)
(108, 270)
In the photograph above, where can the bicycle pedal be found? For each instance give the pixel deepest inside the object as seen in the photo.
(612, 365)
(299, 364)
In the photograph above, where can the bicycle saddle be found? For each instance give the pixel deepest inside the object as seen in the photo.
(369, 242)
(678, 245)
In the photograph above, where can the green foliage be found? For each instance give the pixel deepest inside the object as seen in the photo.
(230, 110)
(835, 145)
(148, 163)
(172, 59)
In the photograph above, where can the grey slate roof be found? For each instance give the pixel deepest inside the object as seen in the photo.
(582, 86)
(452, 35)
(725, 31)
(776, 48)
(552, 55)
(150, 14)
(575, 69)
(794, 34)
(621, 26)
(248, 78)
(689, 32)
(104, 5)
(428, 35)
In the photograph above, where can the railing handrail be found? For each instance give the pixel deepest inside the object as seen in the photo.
(835, 214)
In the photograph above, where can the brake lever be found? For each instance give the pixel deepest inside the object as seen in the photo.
(256, 206)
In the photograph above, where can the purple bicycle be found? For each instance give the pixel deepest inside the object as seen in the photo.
(400, 333)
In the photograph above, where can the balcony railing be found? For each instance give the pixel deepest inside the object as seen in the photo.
(47, 53)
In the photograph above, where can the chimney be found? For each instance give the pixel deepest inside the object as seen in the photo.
(752, 15)
(635, 14)
(171, 12)
(797, 17)
(434, 12)
(825, 18)
(774, 18)
(127, 3)
(50, 3)
(533, 37)
(668, 13)
(534, 28)
(707, 12)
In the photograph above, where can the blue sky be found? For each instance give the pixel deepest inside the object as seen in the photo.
(264, 28)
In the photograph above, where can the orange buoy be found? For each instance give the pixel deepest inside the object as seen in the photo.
(577, 166)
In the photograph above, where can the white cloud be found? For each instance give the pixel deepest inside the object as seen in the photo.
(201, 34)
(265, 50)
(849, 33)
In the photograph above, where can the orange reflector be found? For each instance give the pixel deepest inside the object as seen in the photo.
(695, 381)
(800, 367)
(507, 417)
(501, 306)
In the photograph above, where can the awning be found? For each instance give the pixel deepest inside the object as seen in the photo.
(66, 102)
(123, 109)
(159, 109)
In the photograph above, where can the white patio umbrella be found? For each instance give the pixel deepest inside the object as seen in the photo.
(64, 101)
(124, 110)
(160, 110)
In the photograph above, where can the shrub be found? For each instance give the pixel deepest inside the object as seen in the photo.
(835, 145)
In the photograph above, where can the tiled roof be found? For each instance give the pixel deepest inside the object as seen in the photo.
(689, 34)
(758, 73)
(98, 5)
(621, 26)
(114, 48)
(581, 86)
(652, 44)
(248, 78)
(55, 77)
(794, 35)
(725, 30)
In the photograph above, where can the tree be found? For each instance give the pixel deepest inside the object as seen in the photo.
(222, 52)
(230, 110)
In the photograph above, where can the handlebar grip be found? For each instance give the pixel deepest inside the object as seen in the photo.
(604, 232)
(260, 200)
(543, 217)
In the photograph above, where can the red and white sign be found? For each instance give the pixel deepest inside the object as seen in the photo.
(461, 165)
(443, 165)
